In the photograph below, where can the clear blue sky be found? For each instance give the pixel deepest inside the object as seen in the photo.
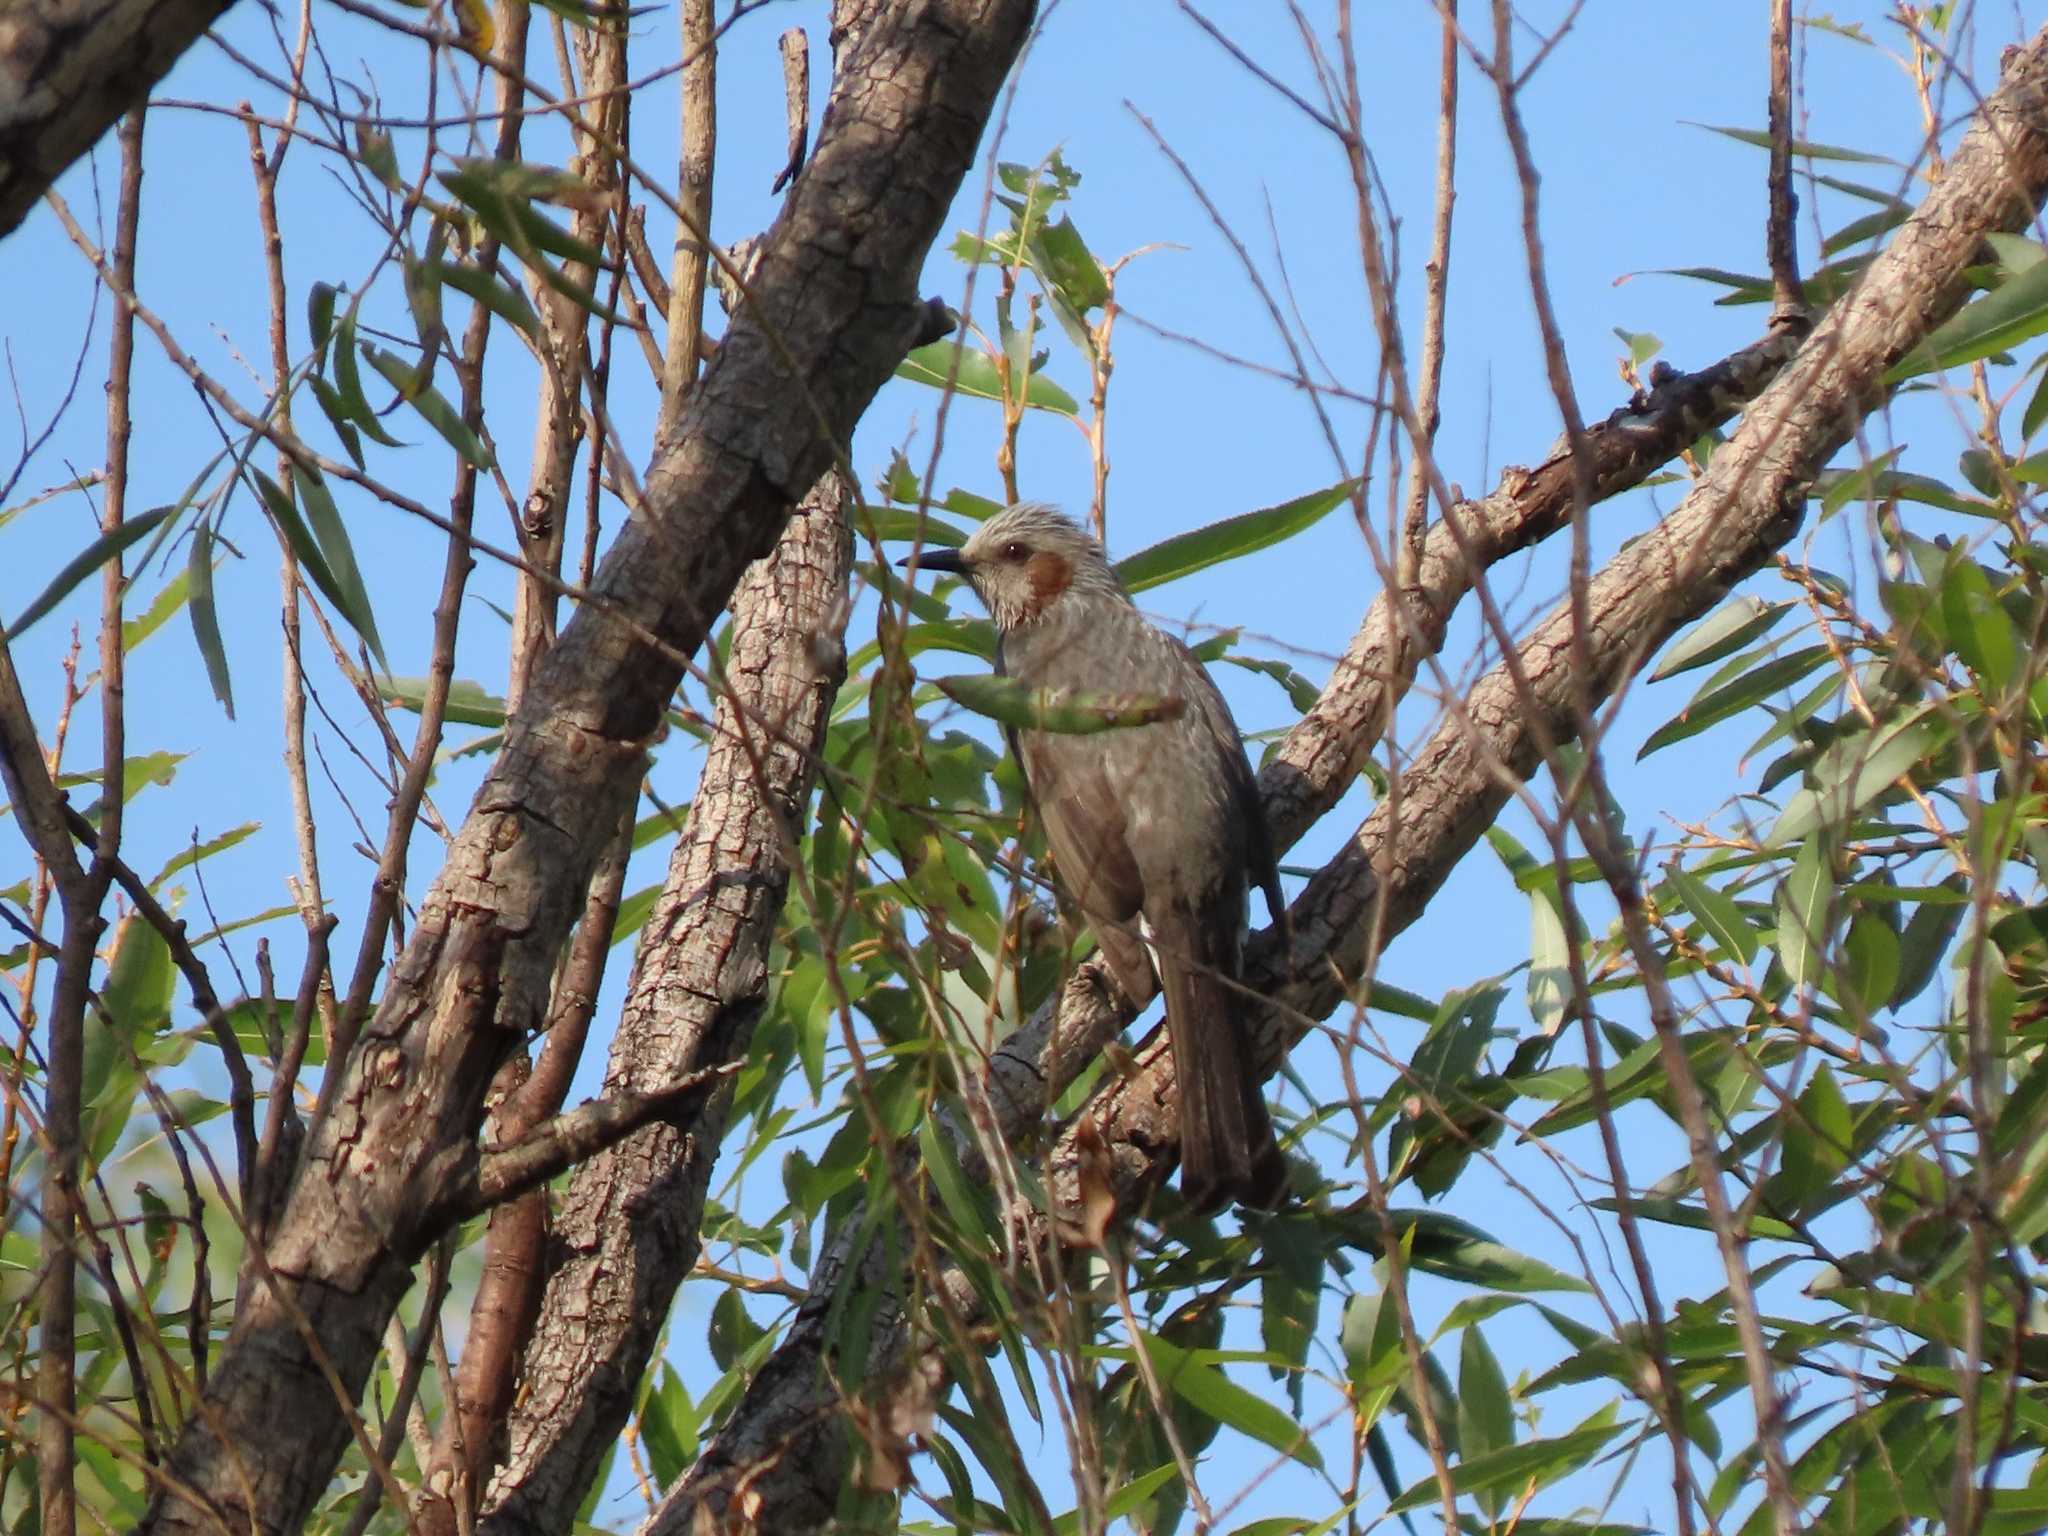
(1630, 184)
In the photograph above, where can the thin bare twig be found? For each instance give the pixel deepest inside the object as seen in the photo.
(1788, 300)
(693, 256)
(796, 90)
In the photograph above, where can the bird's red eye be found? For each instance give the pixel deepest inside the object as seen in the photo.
(1015, 552)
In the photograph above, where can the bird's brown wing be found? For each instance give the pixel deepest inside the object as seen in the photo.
(1086, 829)
(1260, 865)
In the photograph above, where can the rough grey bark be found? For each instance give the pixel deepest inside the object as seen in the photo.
(627, 1230)
(784, 1439)
(68, 69)
(834, 308)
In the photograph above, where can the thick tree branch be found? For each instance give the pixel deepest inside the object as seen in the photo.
(67, 70)
(1323, 753)
(832, 309)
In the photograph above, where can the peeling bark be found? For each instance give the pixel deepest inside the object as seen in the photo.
(835, 309)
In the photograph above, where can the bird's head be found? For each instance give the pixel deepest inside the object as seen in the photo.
(1024, 560)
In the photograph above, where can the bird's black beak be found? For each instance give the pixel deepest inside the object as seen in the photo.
(947, 560)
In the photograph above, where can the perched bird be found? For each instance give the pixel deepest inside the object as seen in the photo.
(1158, 822)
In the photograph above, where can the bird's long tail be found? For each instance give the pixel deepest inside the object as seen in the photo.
(1227, 1147)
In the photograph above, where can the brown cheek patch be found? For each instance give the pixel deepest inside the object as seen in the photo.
(1049, 576)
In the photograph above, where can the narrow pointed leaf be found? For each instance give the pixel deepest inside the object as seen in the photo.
(1803, 918)
(489, 290)
(348, 383)
(431, 404)
(1199, 548)
(934, 365)
(205, 850)
(206, 618)
(1517, 1468)
(2013, 312)
(1730, 699)
(300, 538)
(1802, 148)
(1854, 772)
(320, 314)
(1718, 912)
(1019, 705)
(1204, 1387)
(108, 546)
(1486, 1414)
(332, 533)
(1722, 633)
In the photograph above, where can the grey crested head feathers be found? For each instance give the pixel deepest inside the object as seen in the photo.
(1025, 559)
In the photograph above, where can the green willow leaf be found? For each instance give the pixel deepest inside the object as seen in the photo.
(2037, 408)
(320, 314)
(1979, 627)
(328, 528)
(1486, 1414)
(205, 617)
(494, 188)
(205, 850)
(668, 1425)
(2013, 312)
(1804, 898)
(890, 525)
(1017, 704)
(1801, 148)
(336, 412)
(1928, 934)
(491, 291)
(348, 384)
(432, 405)
(108, 546)
(1517, 1469)
(1714, 705)
(1203, 1387)
(307, 548)
(1676, 1213)
(177, 592)
(1722, 633)
(469, 703)
(1838, 487)
(978, 376)
(1855, 771)
(1200, 548)
(1717, 911)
